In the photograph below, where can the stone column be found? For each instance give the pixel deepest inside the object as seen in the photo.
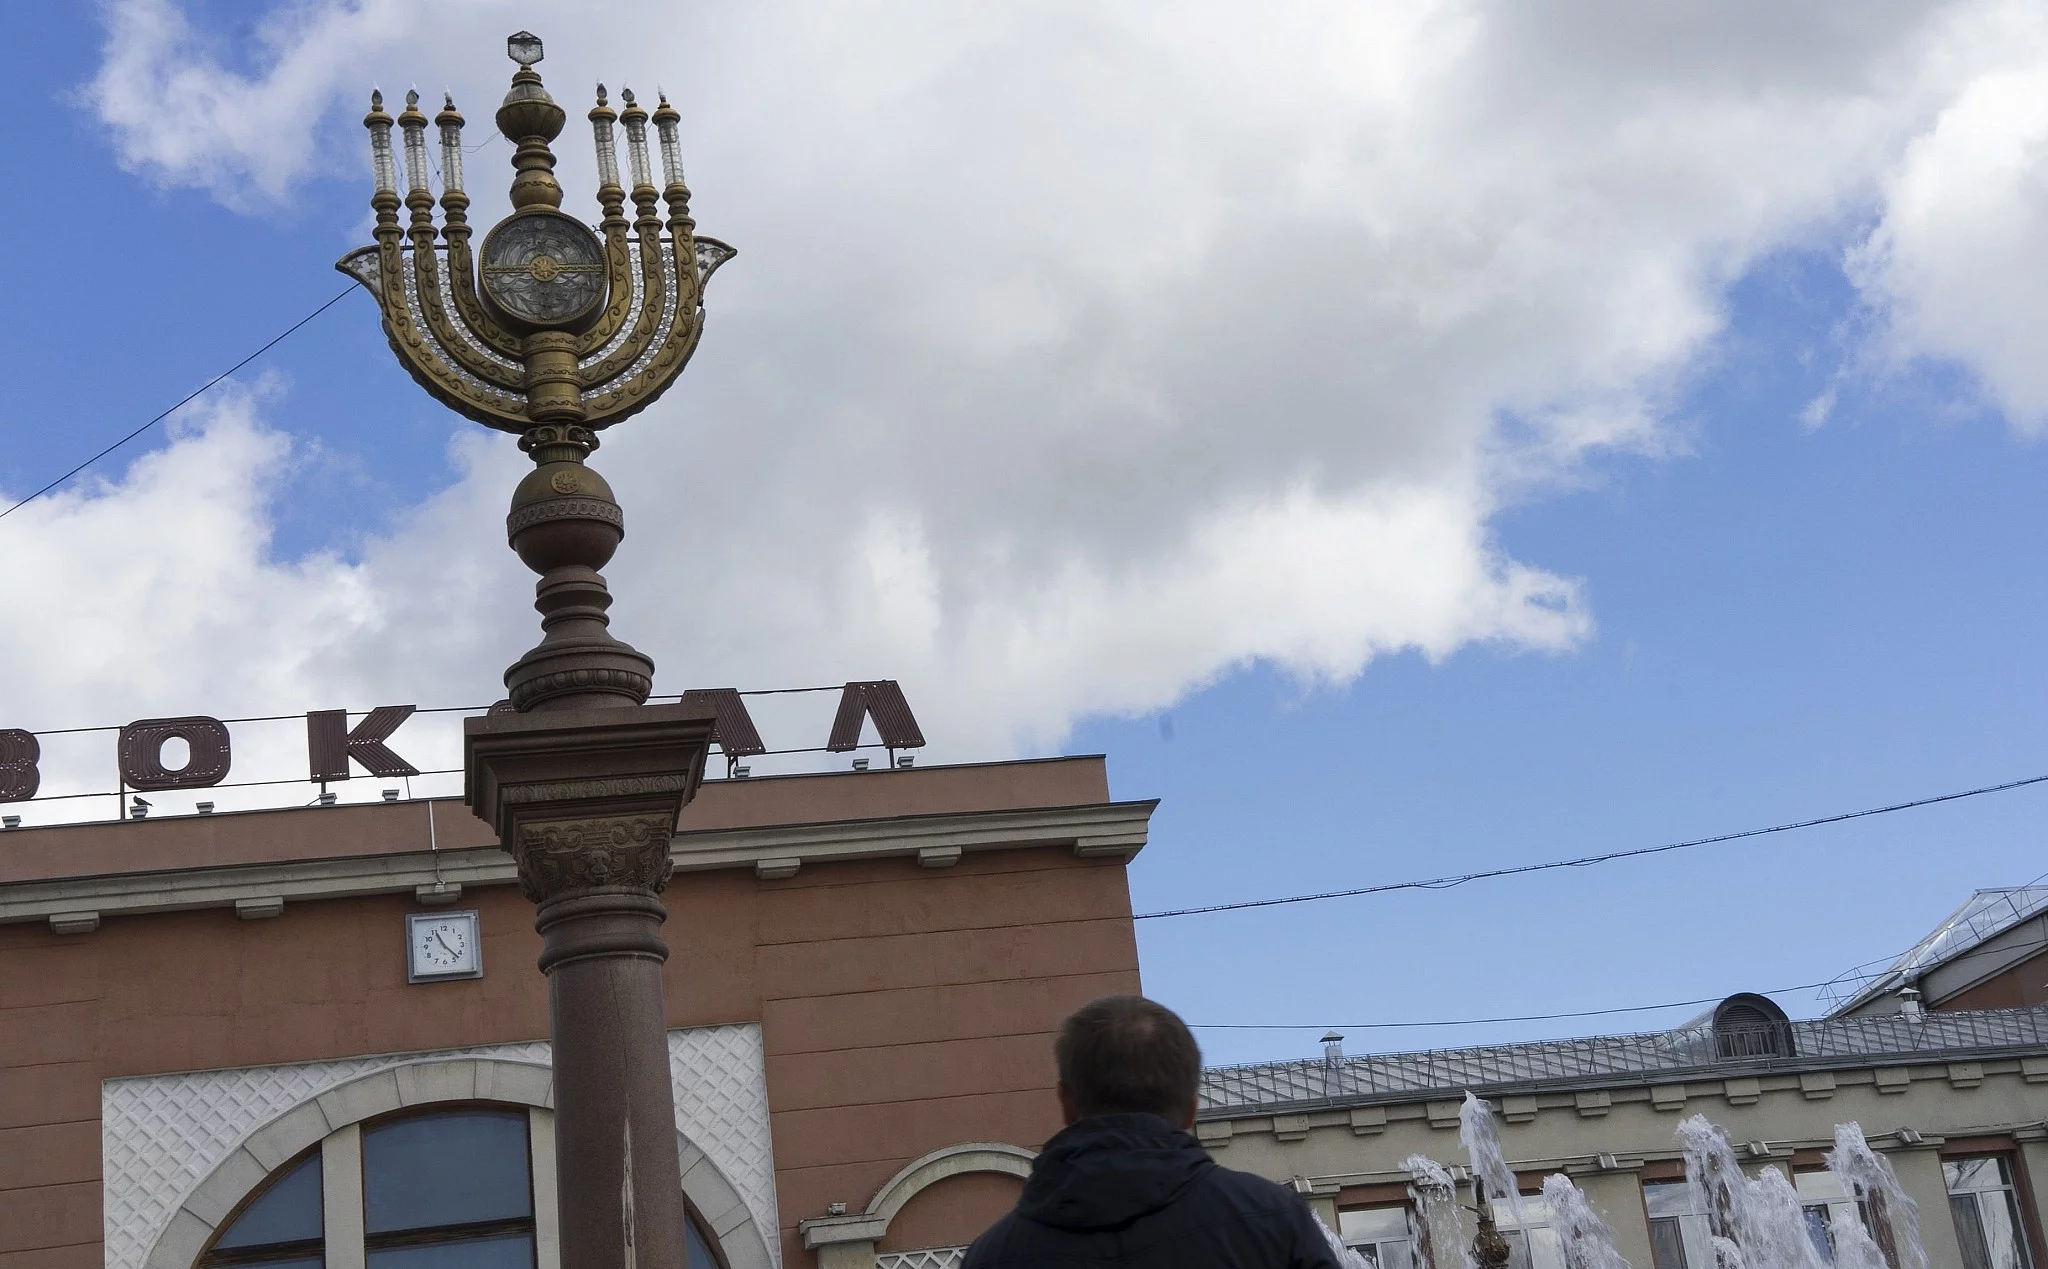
(586, 801)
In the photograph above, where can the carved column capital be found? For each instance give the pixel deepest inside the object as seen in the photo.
(586, 802)
(560, 858)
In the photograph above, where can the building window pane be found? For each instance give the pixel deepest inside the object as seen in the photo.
(697, 1253)
(1820, 1231)
(1667, 1243)
(1986, 1213)
(1686, 1241)
(1380, 1234)
(506, 1251)
(281, 1227)
(1533, 1244)
(458, 1168)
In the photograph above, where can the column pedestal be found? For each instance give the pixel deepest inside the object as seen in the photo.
(586, 801)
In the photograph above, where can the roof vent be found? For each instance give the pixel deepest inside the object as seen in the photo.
(1909, 1002)
(1333, 1047)
(1747, 1025)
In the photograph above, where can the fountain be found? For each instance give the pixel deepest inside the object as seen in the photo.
(1583, 1238)
(1761, 1222)
(1433, 1211)
(1893, 1214)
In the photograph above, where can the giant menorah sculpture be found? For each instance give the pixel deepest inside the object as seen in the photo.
(562, 332)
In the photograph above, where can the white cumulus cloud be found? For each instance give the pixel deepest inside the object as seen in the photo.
(1079, 354)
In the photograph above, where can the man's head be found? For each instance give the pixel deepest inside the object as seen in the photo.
(1125, 1054)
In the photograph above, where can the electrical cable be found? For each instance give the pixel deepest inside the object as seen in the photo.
(1586, 861)
(1594, 1013)
(465, 709)
(194, 395)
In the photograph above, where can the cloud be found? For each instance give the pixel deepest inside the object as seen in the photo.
(1955, 262)
(1079, 355)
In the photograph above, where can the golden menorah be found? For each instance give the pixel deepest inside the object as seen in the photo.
(555, 332)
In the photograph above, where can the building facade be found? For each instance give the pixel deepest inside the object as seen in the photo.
(1953, 1101)
(318, 1035)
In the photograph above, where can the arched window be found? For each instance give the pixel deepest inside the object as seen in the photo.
(1747, 1025)
(281, 1228)
(448, 1188)
(448, 1191)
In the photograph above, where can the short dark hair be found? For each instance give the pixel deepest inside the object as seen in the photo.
(1127, 1054)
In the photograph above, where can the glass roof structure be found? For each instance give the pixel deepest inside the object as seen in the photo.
(1985, 915)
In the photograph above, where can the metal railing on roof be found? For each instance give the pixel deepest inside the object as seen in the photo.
(1608, 1060)
(1983, 915)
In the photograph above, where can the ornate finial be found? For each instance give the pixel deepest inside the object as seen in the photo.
(665, 120)
(453, 200)
(383, 166)
(412, 99)
(634, 117)
(600, 92)
(523, 47)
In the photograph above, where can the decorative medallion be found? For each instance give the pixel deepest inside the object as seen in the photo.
(544, 269)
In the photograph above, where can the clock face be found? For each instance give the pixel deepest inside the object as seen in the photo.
(443, 945)
(544, 268)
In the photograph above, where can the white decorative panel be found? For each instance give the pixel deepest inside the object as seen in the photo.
(721, 1084)
(928, 1258)
(161, 1135)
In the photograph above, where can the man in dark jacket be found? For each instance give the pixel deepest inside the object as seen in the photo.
(1126, 1183)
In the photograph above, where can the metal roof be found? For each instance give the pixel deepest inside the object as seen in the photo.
(1235, 1091)
(1984, 915)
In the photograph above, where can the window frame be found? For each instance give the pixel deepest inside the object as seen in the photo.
(2015, 1187)
(1418, 1248)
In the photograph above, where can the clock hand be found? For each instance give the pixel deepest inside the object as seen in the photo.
(444, 943)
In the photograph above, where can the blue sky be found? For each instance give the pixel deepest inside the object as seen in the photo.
(1732, 612)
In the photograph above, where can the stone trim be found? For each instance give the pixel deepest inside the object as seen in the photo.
(921, 1172)
(343, 1110)
(1811, 1080)
(77, 905)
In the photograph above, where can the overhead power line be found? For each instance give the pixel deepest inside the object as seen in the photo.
(194, 395)
(1578, 1013)
(1475, 1022)
(1587, 861)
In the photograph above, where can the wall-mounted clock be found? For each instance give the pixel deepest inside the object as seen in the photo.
(442, 945)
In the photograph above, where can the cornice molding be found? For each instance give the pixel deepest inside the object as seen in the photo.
(1104, 830)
